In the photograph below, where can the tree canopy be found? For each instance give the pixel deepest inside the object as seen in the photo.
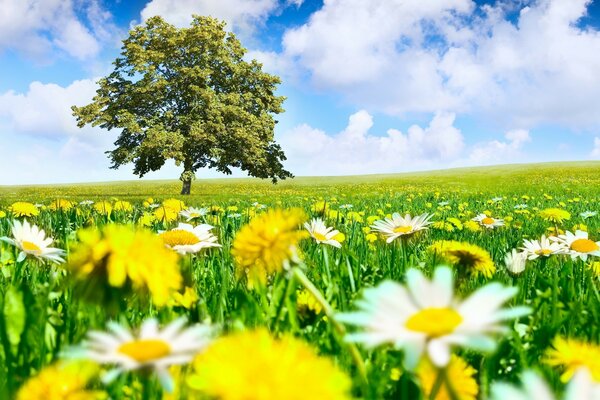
(187, 94)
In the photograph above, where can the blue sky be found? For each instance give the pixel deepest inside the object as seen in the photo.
(376, 86)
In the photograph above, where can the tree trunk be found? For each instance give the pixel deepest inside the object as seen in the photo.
(187, 186)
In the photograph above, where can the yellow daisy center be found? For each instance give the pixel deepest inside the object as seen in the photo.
(178, 237)
(403, 229)
(584, 246)
(487, 221)
(319, 236)
(543, 252)
(434, 321)
(30, 247)
(145, 350)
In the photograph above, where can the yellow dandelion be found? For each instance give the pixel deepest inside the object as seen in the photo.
(472, 226)
(121, 205)
(268, 243)
(187, 299)
(459, 373)
(174, 204)
(146, 219)
(61, 204)
(307, 304)
(555, 215)
(2, 214)
(572, 354)
(594, 266)
(24, 209)
(320, 207)
(269, 370)
(103, 207)
(62, 382)
(466, 256)
(121, 257)
(165, 214)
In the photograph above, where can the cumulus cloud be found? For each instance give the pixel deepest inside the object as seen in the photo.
(40, 28)
(406, 56)
(239, 14)
(355, 150)
(495, 151)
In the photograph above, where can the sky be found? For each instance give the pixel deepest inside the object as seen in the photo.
(372, 86)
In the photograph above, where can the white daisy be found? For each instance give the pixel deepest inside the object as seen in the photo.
(398, 226)
(321, 233)
(192, 213)
(580, 387)
(488, 222)
(515, 261)
(86, 203)
(588, 214)
(520, 206)
(346, 206)
(497, 199)
(187, 239)
(32, 241)
(540, 248)
(424, 317)
(443, 203)
(151, 348)
(577, 245)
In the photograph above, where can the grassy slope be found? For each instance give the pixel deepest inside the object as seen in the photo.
(580, 176)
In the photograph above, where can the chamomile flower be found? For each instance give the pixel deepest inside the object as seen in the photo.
(32, 241)
(577, 245)
(188, 239)
(398, 226)
(191, 213)
(321, 233)
(540, 248)
(515, 261)
(151, 348)
(521, 206)
(588, 214)
(488, 222)
(423, 316)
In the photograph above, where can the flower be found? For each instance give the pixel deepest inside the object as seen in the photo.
(103, 207)
(398, 226)
(515, 261)
(459, 373)
(151, 348)
(571, 354)
(577, 245)
(121, 257)
(63, 381)
(187, 299)
(270, 369)
(322, 234)
(192, 213)
(32, 241)
(540, 248)
(488, 222)
(581, 387)
(121, 205)
(187, 239)
(165, 214)
(24, 209)
(268, 243)
(469, 257)
(588, 214)
(555, 215)
(61, 204)
(423, 316)
(307, 304)
(174, 204)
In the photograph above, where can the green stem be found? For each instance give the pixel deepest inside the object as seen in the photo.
(437, 384)
(330, 313)
(555, 296)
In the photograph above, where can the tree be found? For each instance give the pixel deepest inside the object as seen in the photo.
(188, 95)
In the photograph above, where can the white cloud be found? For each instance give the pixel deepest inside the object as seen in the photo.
(404, 56)
(501, 152)
(40, 28)
(355, 150)
(239, 14)
(596, 151)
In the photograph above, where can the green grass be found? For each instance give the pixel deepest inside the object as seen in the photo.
(43, 313)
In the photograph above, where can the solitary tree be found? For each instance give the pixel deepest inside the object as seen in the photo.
(188, 95)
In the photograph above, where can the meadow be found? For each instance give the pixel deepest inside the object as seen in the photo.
(274, 309)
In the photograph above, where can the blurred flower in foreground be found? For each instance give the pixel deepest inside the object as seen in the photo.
(63, 381)
(120, 257)
(151, 348)
(268, 243)
(572, 354)
(581, 387)
(398, 226)
(269, 369)
(32, 241)
(423, 316)
(188, 239)
(321, 233)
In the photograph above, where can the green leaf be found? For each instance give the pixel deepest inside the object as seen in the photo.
(14, 315)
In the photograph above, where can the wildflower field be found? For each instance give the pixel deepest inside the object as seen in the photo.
(462, 284)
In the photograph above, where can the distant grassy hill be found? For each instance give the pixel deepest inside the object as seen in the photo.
(582, 177)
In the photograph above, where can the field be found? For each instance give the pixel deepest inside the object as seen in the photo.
(280, 306)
